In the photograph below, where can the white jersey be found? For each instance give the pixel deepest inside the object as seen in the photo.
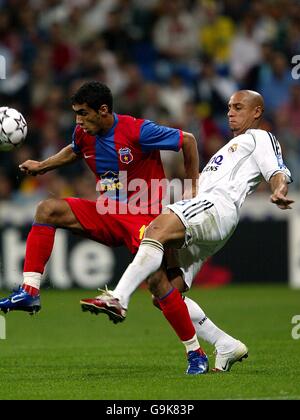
(231, 174)
(236, 170)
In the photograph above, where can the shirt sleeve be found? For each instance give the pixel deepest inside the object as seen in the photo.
(268, 155)
(158, 137)
(75, 141)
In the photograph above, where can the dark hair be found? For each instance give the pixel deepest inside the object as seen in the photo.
(94, 94)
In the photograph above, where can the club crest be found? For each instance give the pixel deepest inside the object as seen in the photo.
(233, 148)
(125, 155)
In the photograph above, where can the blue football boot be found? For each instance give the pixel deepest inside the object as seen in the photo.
(20, 300)
(198, 362)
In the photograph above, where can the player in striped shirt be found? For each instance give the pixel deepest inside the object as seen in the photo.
(114, 147)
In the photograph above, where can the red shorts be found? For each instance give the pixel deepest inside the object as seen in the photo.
(110, 229)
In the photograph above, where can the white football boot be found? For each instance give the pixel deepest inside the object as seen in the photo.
(224, 361)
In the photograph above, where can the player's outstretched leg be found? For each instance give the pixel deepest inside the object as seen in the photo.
(114, 303)
(20, 300)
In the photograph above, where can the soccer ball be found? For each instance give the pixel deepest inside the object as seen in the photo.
(13, 128)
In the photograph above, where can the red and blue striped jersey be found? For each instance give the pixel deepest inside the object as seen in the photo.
(130, 148)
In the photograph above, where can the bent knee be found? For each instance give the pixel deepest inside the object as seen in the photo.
(49, 210)
(167, 229)
(155, 231)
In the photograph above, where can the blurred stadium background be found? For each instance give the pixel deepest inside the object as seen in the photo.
(176, 62)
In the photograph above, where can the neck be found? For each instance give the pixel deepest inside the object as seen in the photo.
(108, 123)
(254, 125)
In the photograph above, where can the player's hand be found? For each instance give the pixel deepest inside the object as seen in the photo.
(32, 167)
(281, 201)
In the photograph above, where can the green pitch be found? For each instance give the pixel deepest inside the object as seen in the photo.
(63, 353)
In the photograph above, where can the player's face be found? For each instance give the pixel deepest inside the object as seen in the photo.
(89, 119)
(242, 114)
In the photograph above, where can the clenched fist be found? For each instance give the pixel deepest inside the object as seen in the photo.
(32, 167)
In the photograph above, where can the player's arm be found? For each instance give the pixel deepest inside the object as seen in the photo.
(279, 188)
(268, 155)
(155, 137)
(191, 164)
(62, 158)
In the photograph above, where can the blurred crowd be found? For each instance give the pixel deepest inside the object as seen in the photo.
(172, 61)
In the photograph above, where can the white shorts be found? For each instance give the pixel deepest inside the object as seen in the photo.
(208, 227)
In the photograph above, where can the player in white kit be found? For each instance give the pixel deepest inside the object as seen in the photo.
(199, 227)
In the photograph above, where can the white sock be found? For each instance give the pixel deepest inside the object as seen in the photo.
(207, 330)
(32, 279)
(192, 344)
(147, 260)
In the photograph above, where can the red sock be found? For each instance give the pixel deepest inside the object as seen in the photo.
(38, 248)
(32, 291)
(176, 312)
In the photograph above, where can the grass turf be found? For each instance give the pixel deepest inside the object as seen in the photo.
(62, 353)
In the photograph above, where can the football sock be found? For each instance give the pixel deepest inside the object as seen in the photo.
(147, 260)
(39, 246)
(176, 312)
(192, 344)
(207, 330)
(31, 283)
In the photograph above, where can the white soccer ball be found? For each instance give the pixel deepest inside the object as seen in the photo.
(13, 128)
